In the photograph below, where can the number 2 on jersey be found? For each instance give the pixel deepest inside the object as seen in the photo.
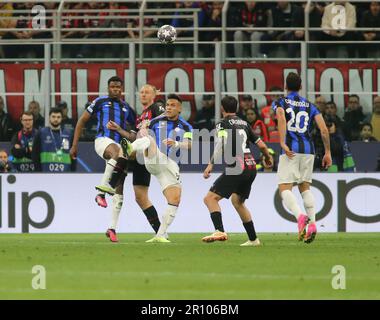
(244, 143)
(295, 121)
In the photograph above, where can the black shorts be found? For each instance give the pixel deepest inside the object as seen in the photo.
(141, 176)
(240, 184)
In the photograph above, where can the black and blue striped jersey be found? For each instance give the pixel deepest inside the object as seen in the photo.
(299, 115)
(163, 128)
(106, 108)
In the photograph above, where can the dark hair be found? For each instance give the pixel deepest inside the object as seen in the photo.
(115, 79)
(229, 104)
(293, 82)
(353, 96)
(175, 97)
(366, 124)
(27, 113)
(55, 110)
(331, 102)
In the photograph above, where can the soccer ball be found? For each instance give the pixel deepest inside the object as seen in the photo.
(167, 34)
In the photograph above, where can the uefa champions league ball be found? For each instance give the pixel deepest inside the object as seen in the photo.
(167, 34)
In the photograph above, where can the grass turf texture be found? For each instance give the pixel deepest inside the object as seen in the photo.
(88, 266)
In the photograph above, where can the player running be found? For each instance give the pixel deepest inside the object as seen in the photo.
(233, 138)
(171, 133)
(295, 115)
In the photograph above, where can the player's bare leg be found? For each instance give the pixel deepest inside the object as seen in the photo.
(211, 200)
(246, 218)
(290, 201)
(173, 197)
(142, 199)
(309, 204)
(111, 153)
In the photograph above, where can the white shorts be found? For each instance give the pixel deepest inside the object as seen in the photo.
(297, 170)
(164, 169)
(101, 145)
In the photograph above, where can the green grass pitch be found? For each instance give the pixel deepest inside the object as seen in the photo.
(88, 266)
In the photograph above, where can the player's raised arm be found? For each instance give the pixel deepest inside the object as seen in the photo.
(77, 133)
(326, 161)
(130, 135)
(282, 132)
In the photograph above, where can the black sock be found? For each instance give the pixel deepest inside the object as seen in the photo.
(152, 216)
(216, 218)
(119, 171)
(250, 228)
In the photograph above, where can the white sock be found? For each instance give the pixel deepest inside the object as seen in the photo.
(108, 172)
(309, 204)
(117, 203)
(141, 144)
(291, 202)
(166, 220)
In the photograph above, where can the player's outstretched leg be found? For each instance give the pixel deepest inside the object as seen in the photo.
(212, 202)
(291, 203)
(246, 218)
(117, 203)
(139, 144)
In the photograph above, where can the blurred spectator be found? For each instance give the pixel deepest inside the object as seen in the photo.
(246, 102)
(5, 164)
(353, 118)
(267, 113)
(336, 145)
(67, 123)
(22, 144)
(6, 126)
(370, 19)
(282, 18)
(320, 103)
(332, 33)
(205, 118)
(39, 120)
(67, 22)
(374, 119)
(51, 146)
(213, 20)
(257, 124)
(184, 50)
(19, 21)
(250, 15)
(366, 133)
(331, 111)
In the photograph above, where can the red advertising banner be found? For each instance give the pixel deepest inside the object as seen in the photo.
(78, 83)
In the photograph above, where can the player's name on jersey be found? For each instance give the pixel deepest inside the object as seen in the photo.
(297, 103)
(237, 122)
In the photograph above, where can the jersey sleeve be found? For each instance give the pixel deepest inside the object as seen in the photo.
(221, 131)
(313, 111)
(277, 104)
(188, 132)
(131, 119)
(93, 107)
(252, 137)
